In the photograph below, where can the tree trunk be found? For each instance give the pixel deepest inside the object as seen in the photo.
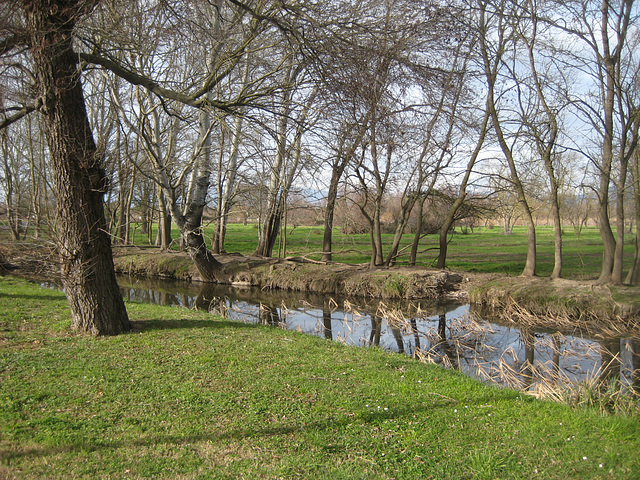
(80, 181)
(189, 221)
(12, 215)
(416, 238)
(633, 277)
(270, 229)
(35, 183)
(164, 222)
(332, 196)
(227, 182)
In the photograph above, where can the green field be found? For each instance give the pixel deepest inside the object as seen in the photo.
(485, 250)
(189, 395)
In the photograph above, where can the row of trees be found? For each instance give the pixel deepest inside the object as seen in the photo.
(193, 104)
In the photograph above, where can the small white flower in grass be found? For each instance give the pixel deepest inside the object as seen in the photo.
(455, 410)
(386, 408)
(601, 465)
(584, 458)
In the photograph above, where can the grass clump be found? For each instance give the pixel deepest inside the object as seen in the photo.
(189, 395)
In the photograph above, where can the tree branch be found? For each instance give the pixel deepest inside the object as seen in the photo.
(21, 112)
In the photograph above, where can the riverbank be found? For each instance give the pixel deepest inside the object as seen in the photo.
(571, 306)
(568, 305)
(190, 395)
(297, 274)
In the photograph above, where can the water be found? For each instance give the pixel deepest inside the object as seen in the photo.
(453, 335)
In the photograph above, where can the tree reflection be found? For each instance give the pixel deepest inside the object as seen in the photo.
(270, 315)
(397, 334)
(610, 364)
(376, 329)
(444, 347)
(208, 301)
(527, 369)
(414, 329)
(635, 362)
(326, 321)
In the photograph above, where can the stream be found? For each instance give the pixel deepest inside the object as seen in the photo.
(453, 335)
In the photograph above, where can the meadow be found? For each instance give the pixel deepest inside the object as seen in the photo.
(190, 395)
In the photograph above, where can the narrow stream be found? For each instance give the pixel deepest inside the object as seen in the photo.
(453, 335)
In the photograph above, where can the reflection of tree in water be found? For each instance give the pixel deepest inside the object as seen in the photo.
(610, 364)
(635, 362)
(397, 335)
(414, 330)
(270, 315)
(376, 329)
(527, 369)
(208, 301)
(441, 349)
(326, 322)
(444, 346)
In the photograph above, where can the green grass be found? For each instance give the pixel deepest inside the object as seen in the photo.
(487, 250)
(189, 395)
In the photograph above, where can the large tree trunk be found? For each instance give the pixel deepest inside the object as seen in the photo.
(189, 221)
(163, 236)
(89, 279)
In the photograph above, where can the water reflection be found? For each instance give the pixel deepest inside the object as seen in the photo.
(448, 334)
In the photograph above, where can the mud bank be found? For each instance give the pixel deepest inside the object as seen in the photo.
(298, 274)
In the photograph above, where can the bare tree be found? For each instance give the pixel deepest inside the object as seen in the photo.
(538, 114)
(605, 56)
(493, 21)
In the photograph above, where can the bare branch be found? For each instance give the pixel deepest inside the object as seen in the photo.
(19, 113)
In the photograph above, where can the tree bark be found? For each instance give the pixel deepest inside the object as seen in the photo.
(80, 181)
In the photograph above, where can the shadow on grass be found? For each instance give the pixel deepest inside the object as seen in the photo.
(333, 426)
(39, 296)
(150, 325)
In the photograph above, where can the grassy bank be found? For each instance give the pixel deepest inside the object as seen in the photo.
(189, 395)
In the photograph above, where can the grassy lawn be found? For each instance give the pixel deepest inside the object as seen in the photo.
(189, 395)
(485, 250)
